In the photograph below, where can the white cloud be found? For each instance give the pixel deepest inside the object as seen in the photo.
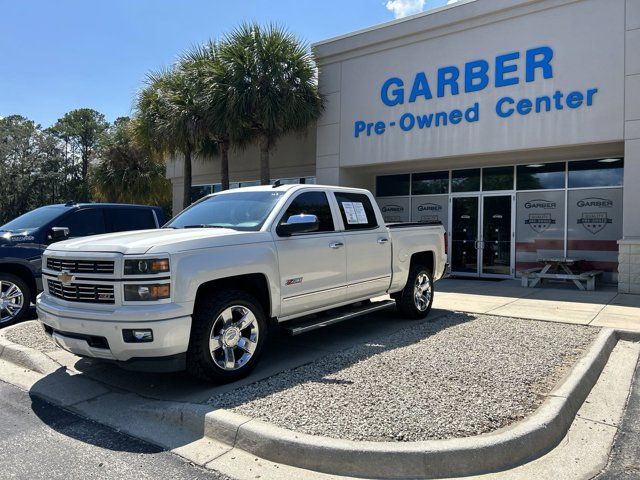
(402, 8)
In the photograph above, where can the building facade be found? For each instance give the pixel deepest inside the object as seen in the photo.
(514, 122)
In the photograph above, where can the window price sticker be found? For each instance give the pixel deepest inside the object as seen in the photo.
(355, 213)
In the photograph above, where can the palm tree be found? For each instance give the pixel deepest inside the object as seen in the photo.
(170, 119)
(201, 66)
(268, 79)
(128, 170)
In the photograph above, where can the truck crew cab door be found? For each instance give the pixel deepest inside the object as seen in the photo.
(312, 265)
(368, 246)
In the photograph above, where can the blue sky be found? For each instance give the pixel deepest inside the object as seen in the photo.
(64, 54)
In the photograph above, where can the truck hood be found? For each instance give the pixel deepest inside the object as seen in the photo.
(164, 240)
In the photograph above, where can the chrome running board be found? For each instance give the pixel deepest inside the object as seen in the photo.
(307, 324)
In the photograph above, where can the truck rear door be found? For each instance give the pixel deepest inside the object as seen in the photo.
(368, 246)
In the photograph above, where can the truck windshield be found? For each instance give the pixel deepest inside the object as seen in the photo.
(33, 219)
(237, 210)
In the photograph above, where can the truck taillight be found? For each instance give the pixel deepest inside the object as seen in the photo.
(446, 243)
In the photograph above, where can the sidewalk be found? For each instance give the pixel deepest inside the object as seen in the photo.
(604, 307)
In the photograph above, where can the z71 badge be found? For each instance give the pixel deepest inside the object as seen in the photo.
(293, 281)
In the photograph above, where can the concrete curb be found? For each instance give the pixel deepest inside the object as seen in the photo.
(25, 357)
(500, 450)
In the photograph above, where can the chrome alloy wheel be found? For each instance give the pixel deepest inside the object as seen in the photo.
(422, 292)
(11, 301)
(234, 337)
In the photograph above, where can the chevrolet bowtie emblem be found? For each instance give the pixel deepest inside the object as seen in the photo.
(65, 278)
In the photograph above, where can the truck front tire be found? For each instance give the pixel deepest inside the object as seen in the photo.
(416, 298)
(228, 332)
(15, 299)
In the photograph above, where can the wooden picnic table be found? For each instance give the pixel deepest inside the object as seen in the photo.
(560, 268)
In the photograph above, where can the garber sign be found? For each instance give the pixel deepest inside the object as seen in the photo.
(508, 69)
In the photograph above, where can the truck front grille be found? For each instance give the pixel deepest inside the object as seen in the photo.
(80, 266)
(81, 292)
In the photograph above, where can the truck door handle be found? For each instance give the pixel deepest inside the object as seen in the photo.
(336, 245)
(382, 241)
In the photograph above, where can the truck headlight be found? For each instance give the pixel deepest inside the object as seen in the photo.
(145, 266)
(147, 292)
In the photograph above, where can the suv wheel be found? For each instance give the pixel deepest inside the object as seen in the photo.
(228, 333)
(15, 299)
(416, 298)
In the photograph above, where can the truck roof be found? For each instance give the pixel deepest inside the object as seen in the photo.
(99, 204)
(289, 187)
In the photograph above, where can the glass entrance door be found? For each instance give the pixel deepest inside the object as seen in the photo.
(482, 235)
(495, 242)
(464, 235)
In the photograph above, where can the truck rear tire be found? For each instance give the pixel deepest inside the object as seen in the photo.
(15, 299)
(228, 332)
(416, 298)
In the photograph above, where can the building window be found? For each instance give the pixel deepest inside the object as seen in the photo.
(497, 178)
(430, 183)
(392, 185)
(540, 227)
(434, 208)
(594, 226)
(465, 180)
(606, 172)
(539, 176)
(199, 191)
(396, 209)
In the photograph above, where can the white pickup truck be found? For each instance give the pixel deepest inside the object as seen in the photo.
(202, 292)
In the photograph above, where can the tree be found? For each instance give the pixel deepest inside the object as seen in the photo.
(170, 119)
(84, 129)
(201, 67)
(32, 168)
(269, 82)
(128, 170)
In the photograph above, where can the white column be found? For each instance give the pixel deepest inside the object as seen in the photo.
(328, 133)
(629, 246)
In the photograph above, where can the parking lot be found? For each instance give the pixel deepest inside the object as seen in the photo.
(604, 307)
(473, 368)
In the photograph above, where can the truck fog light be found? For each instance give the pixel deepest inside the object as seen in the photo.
(138, 293)
(137, 335)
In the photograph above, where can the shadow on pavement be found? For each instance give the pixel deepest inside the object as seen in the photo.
(282, 353)
(370, 332)
(87, 431)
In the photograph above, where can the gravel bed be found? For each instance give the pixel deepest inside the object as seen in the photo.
(30, 334)
(459, 376)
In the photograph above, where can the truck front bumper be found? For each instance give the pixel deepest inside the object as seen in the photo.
(71, 330)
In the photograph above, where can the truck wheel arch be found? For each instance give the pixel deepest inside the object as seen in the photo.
(256, 284)
(425, 258)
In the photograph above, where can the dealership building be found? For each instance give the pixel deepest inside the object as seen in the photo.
(514, 122)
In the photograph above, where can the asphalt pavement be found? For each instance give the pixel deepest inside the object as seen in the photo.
(624, 463)
(41, 441)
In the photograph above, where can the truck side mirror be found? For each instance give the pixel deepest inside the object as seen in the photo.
(298, 224)
(57, 234)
